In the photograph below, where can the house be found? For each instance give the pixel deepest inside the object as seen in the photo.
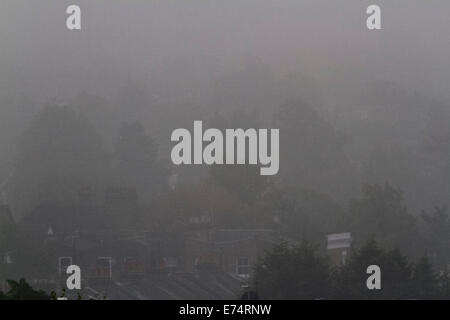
(338, 247)
(234, 251)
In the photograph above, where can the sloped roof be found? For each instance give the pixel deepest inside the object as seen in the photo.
(175, 286)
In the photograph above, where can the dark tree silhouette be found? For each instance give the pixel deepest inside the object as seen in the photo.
(137, 163)
(438, 236)
(292, 273)
(59, 153)
(381, 213)
(21, 290)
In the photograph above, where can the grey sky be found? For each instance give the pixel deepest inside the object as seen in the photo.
(155, 39)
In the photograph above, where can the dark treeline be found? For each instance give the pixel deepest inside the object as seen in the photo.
(21, 290)
(302, 273)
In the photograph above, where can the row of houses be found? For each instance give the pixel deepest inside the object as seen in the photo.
(178, 259)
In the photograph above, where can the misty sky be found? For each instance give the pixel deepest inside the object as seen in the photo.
(176, 42)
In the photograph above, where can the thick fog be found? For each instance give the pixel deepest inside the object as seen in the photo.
(181, 52)
(175, 43)
(86, 118)
(220, 55)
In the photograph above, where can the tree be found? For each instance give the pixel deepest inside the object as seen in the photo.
(396, 272)
(438, 236)
(396, 275)
(425, 280)
(59, 153)
(292, 273)
(444, 281)
(300, 273)
(312, 152)
(245, 181)
(21, 290)
(137, 164)
(350, 282)
(382, 214)
(100, 113)
(303, 213)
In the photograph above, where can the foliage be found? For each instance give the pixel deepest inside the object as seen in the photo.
(301, 273)
(59, 153)
(382, 214)
(21, 290)
(292, 273)
(136, 161)
(438, 235)
(312, 151)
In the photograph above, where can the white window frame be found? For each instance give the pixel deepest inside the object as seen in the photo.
(109, 259)
(239, 266)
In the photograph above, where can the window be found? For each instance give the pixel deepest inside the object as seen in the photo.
(134, 265)
(344, 257)
(243, 267)
(7, 258)
(104, 267)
